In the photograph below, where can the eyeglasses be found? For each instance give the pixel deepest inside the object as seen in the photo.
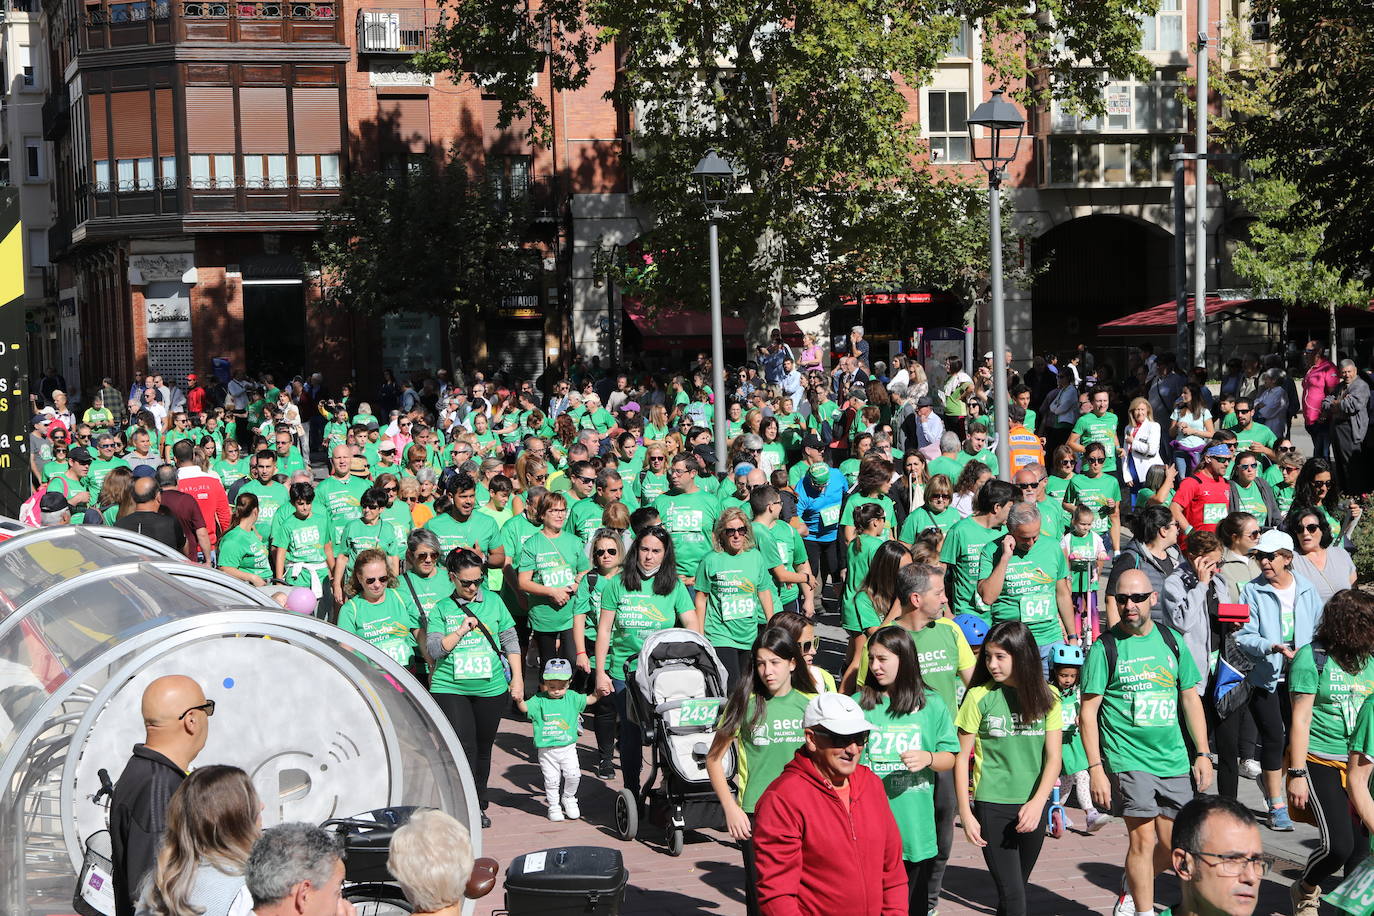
(373, 580)
(539, 478)
(1243, 410)
(1132, 597)
(734, 532)
(410, 499)
(1248, 466)
(470, 583)
(1263, 556)
(1066, 463)
(105, 445)
(1250, 534)
(1029, 486)
(1096, 461)
(581, 479)
(934, 496)
(1232, 865)
(208, 707)
(1321, 483)
(657, 458)
(390, 489)
(1288, 449)
(811, 645)
(556, 509)
(1310, 528)
(841, 741)
(606, 552)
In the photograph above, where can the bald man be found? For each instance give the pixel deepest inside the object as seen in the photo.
(176, 722)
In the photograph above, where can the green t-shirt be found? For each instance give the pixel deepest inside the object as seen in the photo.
(733, 585)
(768, 744)
(1337, 701)
(272, 496)
(244, 550)
(943, 464)
(478, 531)
(1250, 499)
(1283, 495)
(1075, 758)
(1362, 736)
(857, 562)
(781, 545)
(911, 795)
(1138, 720)
(637, 614)
(986, 456)
(230, 472)
(554, 562)
(1082, 557)
(342, 498)
(962, 552)
(1054, 520)
(303, 539)
(95, 477)
(651, 486)
(1092, 428)
(1008, 754)
(1255, 432)
(1094, 492)
(920, 519)
(386, 624)
(1056, 487)
(398, 516)
(556, 721)
(1029, 589)
(430, 591)
(584, 517)
(473, 668)
(889, 512)
(689, 518)
(358, 536)
(943, 652)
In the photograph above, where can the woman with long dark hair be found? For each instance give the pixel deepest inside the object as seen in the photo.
(1316, 558)
(912, 739)
(763, 721)
(606, 552)
(646, 597)
(242, 554)
(213, 819)
(1328, 681)
(1316, 486)
(1010, 723)
(303, 547)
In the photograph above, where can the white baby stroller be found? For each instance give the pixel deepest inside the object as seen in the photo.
(675, 696)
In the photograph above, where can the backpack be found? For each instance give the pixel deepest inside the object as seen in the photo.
(1110, 648)
(29, 512)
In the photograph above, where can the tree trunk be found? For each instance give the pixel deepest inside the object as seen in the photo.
(761, 321)
(1331, 315)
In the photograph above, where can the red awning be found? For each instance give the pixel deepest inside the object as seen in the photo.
(898, 298)
(685, 329)
(1163, 318)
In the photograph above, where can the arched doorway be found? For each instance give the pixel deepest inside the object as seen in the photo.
(1100, 267)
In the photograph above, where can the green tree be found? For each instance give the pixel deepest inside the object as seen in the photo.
(1313, 132)
(809, 100)
(434, 239)
(1281, 256)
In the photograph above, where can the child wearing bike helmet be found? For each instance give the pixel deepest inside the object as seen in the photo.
(1066, 665)
(556, 712)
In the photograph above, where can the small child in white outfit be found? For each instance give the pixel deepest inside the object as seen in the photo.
(556, 713)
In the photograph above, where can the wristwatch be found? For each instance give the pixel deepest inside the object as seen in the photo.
(1211, 757)
(1295, 773)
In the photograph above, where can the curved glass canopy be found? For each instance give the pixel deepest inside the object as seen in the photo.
(325, 724)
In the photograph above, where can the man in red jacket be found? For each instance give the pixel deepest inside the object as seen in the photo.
(825, 841)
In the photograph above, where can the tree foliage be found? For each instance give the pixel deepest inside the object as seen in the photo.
(1315, 131)
(810, 100)
(1282, 256)
(433, 239)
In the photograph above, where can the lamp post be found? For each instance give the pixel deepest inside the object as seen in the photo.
(716, 178)
(1003, 123)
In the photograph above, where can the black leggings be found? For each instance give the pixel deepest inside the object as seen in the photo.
(475, 720)
(946, 806)
(734, 660)
(917, 880)
(824, 557)
(1010, 856)
(1235, 738)
(604, 726)
(1271, 711)
(554, 645)
(751, 875)
(1343, 839)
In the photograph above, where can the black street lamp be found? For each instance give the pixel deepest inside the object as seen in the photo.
(716, 177)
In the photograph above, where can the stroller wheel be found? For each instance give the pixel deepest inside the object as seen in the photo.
(626, 814)
(677, 838)
(1056, 822)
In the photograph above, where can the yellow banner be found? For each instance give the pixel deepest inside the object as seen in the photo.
(11, 248)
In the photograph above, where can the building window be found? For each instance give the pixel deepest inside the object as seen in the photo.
(1164, 30)
(34, 165)
(212, 172)
(961, 46)
(264, 171)
(26, 73)
(38, 248)
(135, 174)
(1130, 106)
(1110, 160)
(168, 168)
(102, 176)
(947, 125)
(317, 171)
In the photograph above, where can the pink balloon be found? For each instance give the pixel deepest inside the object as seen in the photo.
(301, 600)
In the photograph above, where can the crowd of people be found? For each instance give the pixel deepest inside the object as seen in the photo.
(1158, 593)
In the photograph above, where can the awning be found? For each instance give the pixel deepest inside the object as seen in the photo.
(1163, 318)
(898, 299)
(687, 329)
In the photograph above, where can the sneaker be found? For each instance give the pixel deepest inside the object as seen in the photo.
(555, 813)
(570, 809)
(605, 769)
(1250, 768)
(1279, 819)
(1304, 903)
(1096, 820)
(1125, 906)
(486, 821)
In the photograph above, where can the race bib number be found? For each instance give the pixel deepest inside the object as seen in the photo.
(558, 577)
(1355, 895)
(702, 712)
(1037, 608)
(1213, 513)
(398, 650)
(1154, 709)
(888, 745)
(830, 516)
(685, 520)
(1069, 721)
(737, 608)
(472, 663)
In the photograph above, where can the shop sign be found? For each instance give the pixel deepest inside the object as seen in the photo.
(168, 316)
(154, 268)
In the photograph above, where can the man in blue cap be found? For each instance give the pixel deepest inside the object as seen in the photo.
(1203, 499)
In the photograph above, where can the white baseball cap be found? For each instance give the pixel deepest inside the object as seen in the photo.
(1273, 540)
(836, 713)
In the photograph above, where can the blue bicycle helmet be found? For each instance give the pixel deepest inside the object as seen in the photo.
(975, 630)
(1064, 655)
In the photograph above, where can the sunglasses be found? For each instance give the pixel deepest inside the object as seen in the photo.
(838, 741)
(1321, 483)
(585, 479)
(735, 532)
(1132, 597)
(208, 707)
(607, 552)
(1096, 461)
(657, 458)
(1310, 528)
(470, 583)
(1029, 486)
(1248, 466)
(410, 499)
(373, 580)
(1262, 555)
(1066, 463)
(390, 489)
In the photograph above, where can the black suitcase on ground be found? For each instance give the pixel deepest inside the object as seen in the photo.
(566, 881)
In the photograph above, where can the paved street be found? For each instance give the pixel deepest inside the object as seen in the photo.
(1077, 874)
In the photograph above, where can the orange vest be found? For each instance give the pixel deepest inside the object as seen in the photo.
(1024, 447)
